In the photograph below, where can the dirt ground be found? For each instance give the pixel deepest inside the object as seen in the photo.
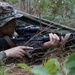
(15, 70)
(19, 71)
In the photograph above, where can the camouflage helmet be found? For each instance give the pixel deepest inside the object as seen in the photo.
(7, 13)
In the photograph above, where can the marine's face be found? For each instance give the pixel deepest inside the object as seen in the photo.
(8, 29)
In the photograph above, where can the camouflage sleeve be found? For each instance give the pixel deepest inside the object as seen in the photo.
(2, 57)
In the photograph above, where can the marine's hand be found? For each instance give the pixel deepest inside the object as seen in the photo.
(54, 41)
(18, 52)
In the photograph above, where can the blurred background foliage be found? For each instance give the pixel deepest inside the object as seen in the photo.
(60, 11)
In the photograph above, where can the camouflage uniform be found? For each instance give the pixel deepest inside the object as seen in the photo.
(7, 13)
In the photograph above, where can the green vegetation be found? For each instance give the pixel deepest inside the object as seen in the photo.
(4, 70)
(53, 67)
(57, 10)
(61, 11)
(12, 1)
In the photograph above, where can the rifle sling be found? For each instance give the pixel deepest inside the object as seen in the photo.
(11, 44)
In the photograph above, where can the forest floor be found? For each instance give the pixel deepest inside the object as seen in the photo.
(16, 70)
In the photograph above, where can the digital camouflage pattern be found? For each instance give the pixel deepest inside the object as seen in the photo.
(7, 13)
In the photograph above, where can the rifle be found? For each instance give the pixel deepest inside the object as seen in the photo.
(25, 33)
